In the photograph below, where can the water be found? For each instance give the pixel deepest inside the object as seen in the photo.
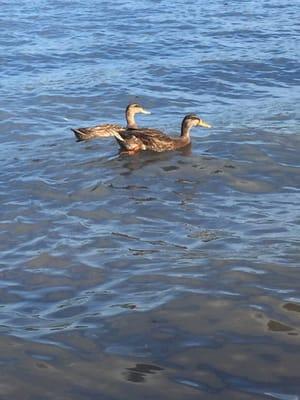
(156, 276)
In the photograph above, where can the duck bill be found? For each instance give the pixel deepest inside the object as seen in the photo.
(204, 124)
(143, 111)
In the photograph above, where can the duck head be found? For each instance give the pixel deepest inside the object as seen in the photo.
(131, 111)
(190, 121)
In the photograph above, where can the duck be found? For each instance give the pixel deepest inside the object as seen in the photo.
(132, 141)
(106, 130)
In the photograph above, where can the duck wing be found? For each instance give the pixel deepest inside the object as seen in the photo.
(93, 132)
(147, 139)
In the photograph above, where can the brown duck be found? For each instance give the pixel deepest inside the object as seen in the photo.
(110, 129)
(151, 139)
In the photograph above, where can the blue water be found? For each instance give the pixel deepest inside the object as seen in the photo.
(154, 276)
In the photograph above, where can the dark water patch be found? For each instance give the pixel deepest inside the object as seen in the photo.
(277, 326)
(292, 307)
(139, 373)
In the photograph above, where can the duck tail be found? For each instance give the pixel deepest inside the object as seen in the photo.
(122, 143)
(79, 135)
(118, 136)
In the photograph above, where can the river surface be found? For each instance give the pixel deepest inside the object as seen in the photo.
(163, 276)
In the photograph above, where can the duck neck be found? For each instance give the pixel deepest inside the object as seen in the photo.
(185, 131)
(131, 124)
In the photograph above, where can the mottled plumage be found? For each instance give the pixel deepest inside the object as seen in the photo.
(107, 130)
(133, 140)
(93, 132)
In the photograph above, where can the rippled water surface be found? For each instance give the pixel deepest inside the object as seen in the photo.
(156, 276)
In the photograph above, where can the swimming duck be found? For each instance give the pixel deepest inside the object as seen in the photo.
(110, 129)
(151, 139)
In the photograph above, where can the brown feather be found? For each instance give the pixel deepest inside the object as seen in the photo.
(150, 139)
(97, 131)
(107, 130)
(155, 140)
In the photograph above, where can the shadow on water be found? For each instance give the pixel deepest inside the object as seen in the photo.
(138, 373)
